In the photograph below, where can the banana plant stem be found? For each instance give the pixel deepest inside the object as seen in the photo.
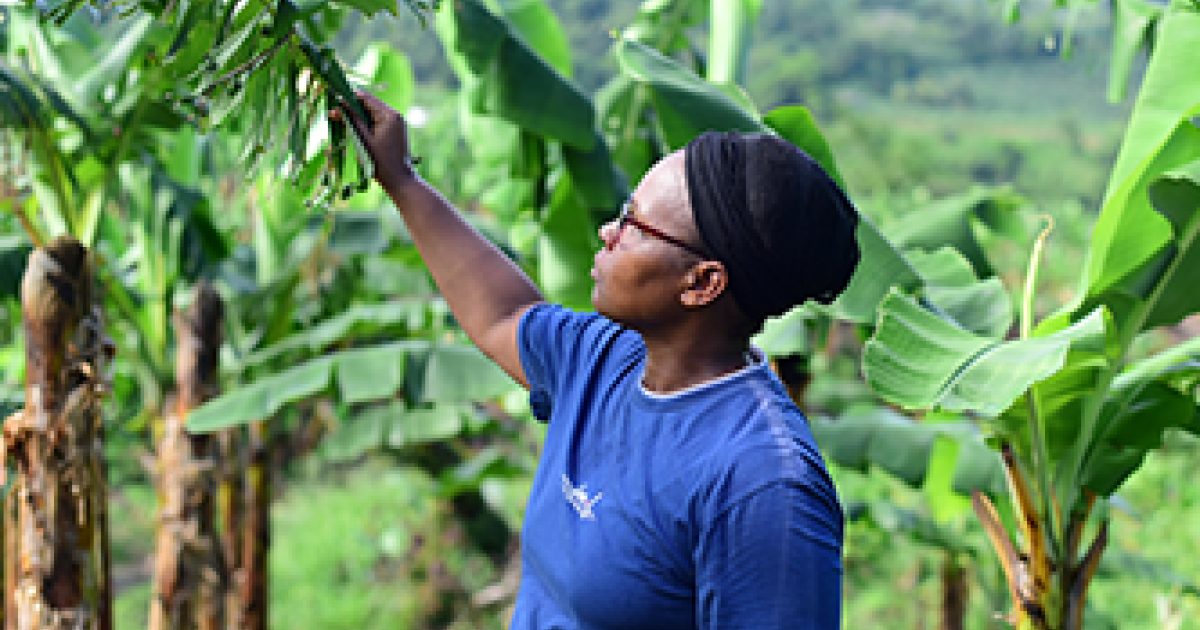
(1037, 437)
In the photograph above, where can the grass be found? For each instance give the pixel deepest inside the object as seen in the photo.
(371, 548)
(375, 548)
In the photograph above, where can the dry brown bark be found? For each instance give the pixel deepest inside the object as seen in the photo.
(190, 572)
(56, 565)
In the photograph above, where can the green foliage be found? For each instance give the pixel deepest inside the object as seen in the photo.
(1133, 25)
(1137, 271)
(1057, 412)
(920, 360)
(872, 436)
(512, 81)
(345, 287)
(262, 68)
(683, 102)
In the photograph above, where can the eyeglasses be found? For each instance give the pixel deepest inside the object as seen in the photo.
(626, 218)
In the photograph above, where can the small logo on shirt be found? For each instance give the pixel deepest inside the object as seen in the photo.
(579, 499)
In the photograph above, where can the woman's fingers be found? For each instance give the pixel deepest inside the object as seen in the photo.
(383, 134)
(375, 107)
(360, 127)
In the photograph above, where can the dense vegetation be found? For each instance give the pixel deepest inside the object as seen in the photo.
(931, 94)
(399, 458)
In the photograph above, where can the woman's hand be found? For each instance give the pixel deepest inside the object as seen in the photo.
(385, 138)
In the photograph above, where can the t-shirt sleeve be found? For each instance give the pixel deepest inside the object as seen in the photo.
(555, 345)
(771, 561)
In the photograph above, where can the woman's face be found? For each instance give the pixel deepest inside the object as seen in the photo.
(639, 275)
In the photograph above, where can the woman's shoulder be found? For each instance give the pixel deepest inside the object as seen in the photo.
(760, 439)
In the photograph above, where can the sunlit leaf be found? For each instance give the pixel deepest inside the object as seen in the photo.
(515, 83)
(684, 104)
(920, 360)
(390, 74)
(880, 268)
(537, 24)
(731, 26)
(1133, 26)
(116, 60)
(948, 223)
(797, 125)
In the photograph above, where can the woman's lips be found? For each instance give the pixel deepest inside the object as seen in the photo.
(596, 262)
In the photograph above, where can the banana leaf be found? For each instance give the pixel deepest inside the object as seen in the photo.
(567, 245)
(684, 105)
(358, 319)
(460, 373)
(133, 40)
(948, 222)
(869, 436)
(424, 373)
(422, 425)
(1134, 240)
(730, 28)
(393, 424)
(982, 307)
(797, 125)
(1134, 22)
(390, 74)
(540, 28)
(920, 360)
(515, 82)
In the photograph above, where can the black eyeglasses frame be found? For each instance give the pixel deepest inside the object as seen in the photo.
(626, 218)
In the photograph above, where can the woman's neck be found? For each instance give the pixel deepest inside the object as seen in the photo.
(672, 367)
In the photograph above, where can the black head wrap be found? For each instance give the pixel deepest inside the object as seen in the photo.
(782, 227)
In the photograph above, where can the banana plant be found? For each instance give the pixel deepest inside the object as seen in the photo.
(541, 158)
(266, 70)
(32, 157)
(152, 164)
(1070, 405)
(57, 558)
(93, 159)
(191, 580)
(341, 295)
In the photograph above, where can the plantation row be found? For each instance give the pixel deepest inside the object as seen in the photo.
(203, 274)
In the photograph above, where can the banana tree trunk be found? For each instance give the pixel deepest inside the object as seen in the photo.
(257, 530)
(1047, 577)
(190, 572)
(57, 571)
(955, 591)
(231, 515)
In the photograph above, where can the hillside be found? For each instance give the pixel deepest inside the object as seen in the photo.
(930, 94)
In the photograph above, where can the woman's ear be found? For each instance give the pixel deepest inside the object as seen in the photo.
(703, 283)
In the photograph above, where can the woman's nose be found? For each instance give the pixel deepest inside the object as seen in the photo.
(609, 233)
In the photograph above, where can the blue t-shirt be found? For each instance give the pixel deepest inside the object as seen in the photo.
(708, 508)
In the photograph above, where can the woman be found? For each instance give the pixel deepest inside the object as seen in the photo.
(678, 487)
